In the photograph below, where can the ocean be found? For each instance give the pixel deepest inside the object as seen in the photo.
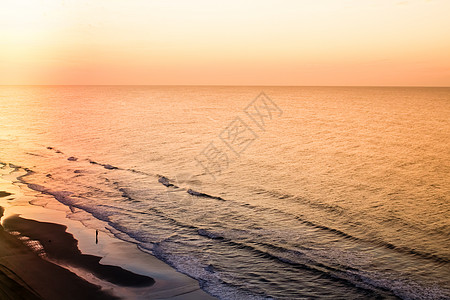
(256, 192)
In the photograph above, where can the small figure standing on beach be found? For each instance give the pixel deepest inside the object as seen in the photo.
(96, 236)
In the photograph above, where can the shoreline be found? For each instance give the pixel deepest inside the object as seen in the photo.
(26, 275)
(56, 257)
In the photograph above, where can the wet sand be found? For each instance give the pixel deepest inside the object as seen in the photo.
(61, 247)
(33, 270)
(44, 255)
(25, 275)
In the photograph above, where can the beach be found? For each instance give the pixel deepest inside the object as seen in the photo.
(27, 276)
(42, 260)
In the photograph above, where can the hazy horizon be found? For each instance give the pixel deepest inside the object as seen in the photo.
(233, 43)
(236, 85)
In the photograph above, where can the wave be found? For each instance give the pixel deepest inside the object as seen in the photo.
(198, 194)
(33, 154)
(293, 258)
(343, 234)
(55, 150)
(376, 285)
(166, 182)
(300, 262)
(103, 212)
(210, 234)
(106, 166)
(314, 204)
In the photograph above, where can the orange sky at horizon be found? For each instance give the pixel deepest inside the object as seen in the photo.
(267, 42)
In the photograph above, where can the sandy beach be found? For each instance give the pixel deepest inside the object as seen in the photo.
(25, 275)
(43, 260)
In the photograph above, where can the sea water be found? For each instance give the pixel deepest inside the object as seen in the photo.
(256, 192)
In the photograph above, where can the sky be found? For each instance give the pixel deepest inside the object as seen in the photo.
(233, 42)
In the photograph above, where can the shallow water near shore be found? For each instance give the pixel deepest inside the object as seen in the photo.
(124, 261)
(343, 193)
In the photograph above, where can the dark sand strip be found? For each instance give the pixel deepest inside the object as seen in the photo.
(44, 280)
(61, 246)
(13, 287)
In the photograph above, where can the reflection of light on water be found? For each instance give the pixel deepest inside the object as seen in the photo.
(7, 137)
(342, 166)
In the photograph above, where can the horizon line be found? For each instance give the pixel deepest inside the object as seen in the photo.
(231, 85)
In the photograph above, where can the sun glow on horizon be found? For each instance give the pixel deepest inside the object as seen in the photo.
(268, 42)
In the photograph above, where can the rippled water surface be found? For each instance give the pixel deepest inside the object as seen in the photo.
(342, 193)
